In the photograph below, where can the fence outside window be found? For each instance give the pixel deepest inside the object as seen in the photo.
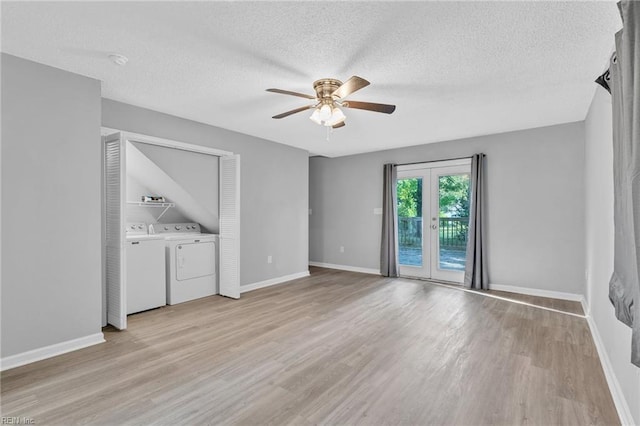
(453, 232)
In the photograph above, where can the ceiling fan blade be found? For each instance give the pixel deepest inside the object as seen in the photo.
(370, 106)
(287, 92)
(337, 126)
(348, 87)
(293, 111)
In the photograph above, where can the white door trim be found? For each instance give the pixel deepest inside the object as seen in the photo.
(168, 143)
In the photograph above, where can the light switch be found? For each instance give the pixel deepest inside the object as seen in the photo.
(377, 210)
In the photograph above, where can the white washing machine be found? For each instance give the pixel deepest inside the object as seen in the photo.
(146, 285)
(191, 261)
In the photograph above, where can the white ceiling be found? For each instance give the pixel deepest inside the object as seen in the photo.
(454, 69)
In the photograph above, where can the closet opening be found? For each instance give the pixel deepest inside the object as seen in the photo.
(171, 224)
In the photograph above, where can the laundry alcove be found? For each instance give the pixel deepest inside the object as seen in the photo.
(220, 216)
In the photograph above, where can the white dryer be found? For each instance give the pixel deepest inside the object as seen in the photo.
(192, 259)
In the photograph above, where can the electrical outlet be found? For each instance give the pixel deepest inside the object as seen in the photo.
(269, 259)
(341, 249)
(377, 211)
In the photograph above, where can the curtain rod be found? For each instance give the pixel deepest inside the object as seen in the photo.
(434, 161)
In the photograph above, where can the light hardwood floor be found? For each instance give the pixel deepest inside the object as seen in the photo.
(333, 348)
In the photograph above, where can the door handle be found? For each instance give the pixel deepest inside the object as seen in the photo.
(434, 226)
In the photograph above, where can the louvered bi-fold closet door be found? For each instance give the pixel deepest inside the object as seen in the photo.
(230, 226)
(114, 195)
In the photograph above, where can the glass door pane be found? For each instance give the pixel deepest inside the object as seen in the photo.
(410, 221)
(450, 193)
(453, 194)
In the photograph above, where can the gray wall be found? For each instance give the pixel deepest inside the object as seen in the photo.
(534, 199)
(274, 188)
(615, 336)
(51, 203)
(196, 175)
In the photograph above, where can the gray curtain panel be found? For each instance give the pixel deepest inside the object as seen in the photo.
(604, 80)
(389, 248)
(624, 287)
(475, 273)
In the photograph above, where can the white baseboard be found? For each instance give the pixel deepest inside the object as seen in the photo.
(345, 268)
(273, 281)
(585, 306)
(537, 292)
(50, 351)
(624, 412)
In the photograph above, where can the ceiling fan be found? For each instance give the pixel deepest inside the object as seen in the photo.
(330, 94)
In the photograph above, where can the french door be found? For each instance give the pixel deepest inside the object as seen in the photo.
(433, 219)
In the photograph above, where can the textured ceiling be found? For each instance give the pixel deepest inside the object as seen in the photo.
(454, 69)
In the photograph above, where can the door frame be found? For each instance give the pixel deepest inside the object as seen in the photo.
(430, 245)
(126, 137)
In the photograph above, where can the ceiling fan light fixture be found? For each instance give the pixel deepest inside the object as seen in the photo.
(337, 117)
(320, 116)
(315, 117)
(325, 112)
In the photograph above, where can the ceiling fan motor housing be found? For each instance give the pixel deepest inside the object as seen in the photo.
(324, 88)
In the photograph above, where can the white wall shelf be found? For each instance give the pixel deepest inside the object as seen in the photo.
(165, 206)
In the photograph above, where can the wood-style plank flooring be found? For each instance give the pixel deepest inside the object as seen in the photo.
(334, 348)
